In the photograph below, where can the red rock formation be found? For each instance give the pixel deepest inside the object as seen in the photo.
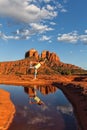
(45, 54)
(32, 53)
(21, 67)
(52, 57)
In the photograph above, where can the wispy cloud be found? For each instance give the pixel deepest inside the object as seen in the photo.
(24, 34)
(47, 1)
(40, 27)
(12, 37)
(49, 7)
(45, 38)
(83, 38)
(61, 7)
(52, 23)
(72, 37)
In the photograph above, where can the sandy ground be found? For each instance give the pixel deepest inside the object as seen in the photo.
(74, 87)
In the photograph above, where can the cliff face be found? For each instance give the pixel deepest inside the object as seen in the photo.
(32, 53)
(51, 57)
(52, 64)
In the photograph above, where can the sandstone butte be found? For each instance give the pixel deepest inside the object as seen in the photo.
(71, 79)
(7, 110)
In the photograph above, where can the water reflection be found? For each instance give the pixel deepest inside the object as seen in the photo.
(56, 112)
(65, 109)
(33, 94)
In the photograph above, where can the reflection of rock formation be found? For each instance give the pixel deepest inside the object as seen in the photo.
(7, 110)
(30, 91)
(43, 89)
(47, 89)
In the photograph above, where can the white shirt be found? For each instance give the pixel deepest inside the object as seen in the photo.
(37, 66)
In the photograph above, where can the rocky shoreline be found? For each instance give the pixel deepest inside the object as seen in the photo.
(77, 95)
(7, 110)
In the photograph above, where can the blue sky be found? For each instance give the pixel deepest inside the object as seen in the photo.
(56, 25)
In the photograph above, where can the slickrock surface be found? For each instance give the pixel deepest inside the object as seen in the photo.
(76, 92)
(7, 110)
(29, 79)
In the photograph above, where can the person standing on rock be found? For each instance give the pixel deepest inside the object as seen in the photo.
(36, 67)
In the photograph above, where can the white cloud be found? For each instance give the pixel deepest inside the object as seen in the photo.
(10, 37)
(33, 30)
(45, 38)
(63, 10)
(47, 1)
(49, 7)
(23, 32)
(27, 33)
(5, 37)
(52, 23)
(61, 7)
(40, 28)
(23, 11)
(83, 38)
(72, 37)
(35, 14)
(69, 37)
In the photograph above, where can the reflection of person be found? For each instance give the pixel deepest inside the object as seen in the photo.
(37, 101)
(36, 67)
(34, 99)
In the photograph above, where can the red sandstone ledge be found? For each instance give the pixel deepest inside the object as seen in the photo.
(7, 110)
(29, 79)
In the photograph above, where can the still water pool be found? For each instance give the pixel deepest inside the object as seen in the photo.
(53, 113)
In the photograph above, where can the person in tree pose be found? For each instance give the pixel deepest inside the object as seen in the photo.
(36, 67)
